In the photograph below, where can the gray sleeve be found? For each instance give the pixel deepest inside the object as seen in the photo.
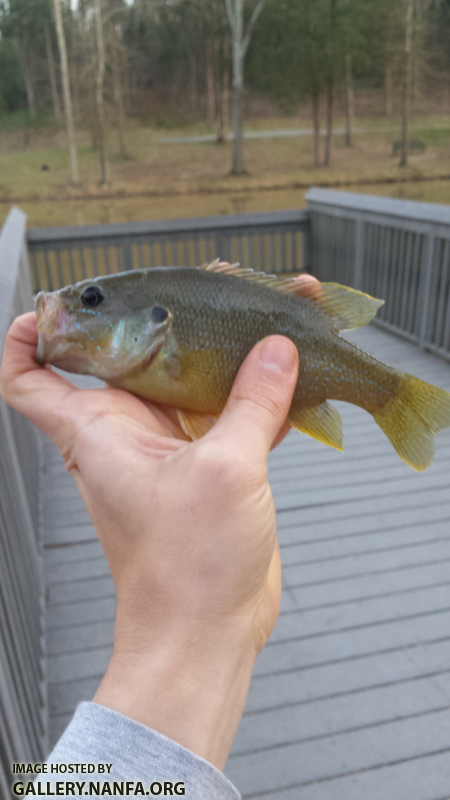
(98, 735)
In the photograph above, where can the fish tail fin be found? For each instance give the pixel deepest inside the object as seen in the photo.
(412, 417)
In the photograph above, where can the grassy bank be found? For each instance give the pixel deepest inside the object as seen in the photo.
(164, 169)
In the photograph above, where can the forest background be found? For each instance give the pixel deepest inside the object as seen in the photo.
(153, 94)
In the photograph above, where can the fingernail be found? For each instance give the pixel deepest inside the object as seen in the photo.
(278, 355)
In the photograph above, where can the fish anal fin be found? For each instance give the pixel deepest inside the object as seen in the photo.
(322, 422)
(412, 417)
(194, 424)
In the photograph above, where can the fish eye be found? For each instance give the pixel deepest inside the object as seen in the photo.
(159, 314)
(92, 296)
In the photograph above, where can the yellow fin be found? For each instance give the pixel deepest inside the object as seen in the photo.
(322, 422)
(412, 417)
(195, 425)
(346, 307)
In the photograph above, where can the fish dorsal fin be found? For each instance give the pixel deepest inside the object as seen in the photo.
(347, 308)
(322, 422)
(195, 425)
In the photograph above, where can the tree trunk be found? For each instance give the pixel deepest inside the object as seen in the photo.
(331, 67)
(118, 98)
(224, 107)
(236, 44)
(193, 84)
(329, 133)
(29, 86)
(66, 89)
(350, 102)
(316, 121)
(52, 73)
(240, 43)
(210, 83)
(99, 95)
(238, 156)
(388, 89)
(407, 82)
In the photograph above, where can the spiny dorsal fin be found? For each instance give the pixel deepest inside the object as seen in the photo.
(347, 308)
(322, 422)
(195, 425)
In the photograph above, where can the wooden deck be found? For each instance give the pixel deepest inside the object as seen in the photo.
(350, 700)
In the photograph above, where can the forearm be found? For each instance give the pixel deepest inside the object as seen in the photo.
(190, 688)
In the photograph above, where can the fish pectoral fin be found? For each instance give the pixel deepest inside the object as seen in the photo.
(195, 425)
(322, 422)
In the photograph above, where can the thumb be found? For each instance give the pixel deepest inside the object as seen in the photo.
(261, 396)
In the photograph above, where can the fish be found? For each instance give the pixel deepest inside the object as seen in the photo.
(178, 335)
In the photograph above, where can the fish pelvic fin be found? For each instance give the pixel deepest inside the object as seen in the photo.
(411, 419)
(195, 425)
(322, 422)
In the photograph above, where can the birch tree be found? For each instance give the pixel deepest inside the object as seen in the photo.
(66, 89)
(407, 81)
(99, 94)
(52, 73)
(240, 40)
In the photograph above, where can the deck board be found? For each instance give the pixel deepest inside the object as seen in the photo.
(351, 697)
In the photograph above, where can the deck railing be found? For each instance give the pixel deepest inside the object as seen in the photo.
(393, 249)
(272, 242)
(397, 250)
(22, 685)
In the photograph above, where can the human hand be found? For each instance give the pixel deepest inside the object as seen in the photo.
(188, 530)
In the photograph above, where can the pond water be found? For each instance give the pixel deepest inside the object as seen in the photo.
(91, 212)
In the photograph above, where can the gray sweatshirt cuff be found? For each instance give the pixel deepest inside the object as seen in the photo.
(99, 735)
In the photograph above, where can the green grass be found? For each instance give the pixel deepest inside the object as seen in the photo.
(179, 169)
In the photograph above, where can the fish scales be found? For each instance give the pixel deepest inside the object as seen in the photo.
(217, 319)
(178, 336)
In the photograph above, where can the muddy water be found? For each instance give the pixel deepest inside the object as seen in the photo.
(91, 212)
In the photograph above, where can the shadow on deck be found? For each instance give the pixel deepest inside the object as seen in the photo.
(351, 697)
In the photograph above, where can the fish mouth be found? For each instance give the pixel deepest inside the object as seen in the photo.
(52, 321)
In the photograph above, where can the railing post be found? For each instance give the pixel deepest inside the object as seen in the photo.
(359, 253)
(127, 257)
(307, 241)
(424, 291)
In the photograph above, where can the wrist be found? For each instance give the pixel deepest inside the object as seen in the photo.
(191, 689)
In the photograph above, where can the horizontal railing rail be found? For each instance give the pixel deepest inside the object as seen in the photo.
(22, 649)
(397, 250)
(268, 242)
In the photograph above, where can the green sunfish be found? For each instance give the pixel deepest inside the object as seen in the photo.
(179, 335)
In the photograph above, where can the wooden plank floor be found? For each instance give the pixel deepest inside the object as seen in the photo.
(351, 697)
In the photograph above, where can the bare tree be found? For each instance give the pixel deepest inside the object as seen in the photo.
(66, 89)
(316, 122)
(118, 97)
(52, 73)
(99, 94)
(349, 101)
(27, 75)
(240, 41)
(330, 83)
(407, 81)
